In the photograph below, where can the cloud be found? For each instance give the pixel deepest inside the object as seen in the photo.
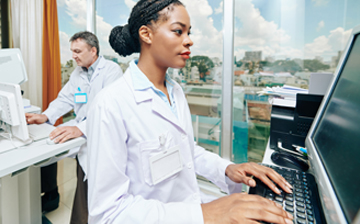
(76, 9)
(327, 46)
(60, 3)
(207, 39)
(255, 32)
(65, 52)
(130, 4)
(220, 8)
(320, 2)
(320, 25)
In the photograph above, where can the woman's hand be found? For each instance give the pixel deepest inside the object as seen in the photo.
(244, 208)
(241, 173)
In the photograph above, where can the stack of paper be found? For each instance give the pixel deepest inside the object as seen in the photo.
(282, 96)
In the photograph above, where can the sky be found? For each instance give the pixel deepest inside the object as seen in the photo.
(281, 29)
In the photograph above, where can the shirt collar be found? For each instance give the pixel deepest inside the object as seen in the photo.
(93, 66)
(141, 81)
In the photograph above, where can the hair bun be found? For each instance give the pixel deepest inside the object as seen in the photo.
(122, 42)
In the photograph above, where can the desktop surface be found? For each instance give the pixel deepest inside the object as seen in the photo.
(18, 159)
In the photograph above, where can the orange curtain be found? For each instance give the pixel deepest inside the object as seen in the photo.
(51, 55)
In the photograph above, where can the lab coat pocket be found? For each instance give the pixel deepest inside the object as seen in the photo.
(149, 149)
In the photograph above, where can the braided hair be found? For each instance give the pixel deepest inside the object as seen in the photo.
(125, 39)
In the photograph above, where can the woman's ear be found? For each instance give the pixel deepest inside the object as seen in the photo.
(145, 34)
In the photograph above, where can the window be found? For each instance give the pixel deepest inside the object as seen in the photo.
(108, 15)
(72, 19)
(200, 78)
(283, 42)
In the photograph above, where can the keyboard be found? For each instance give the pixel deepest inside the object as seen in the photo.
(40, 131)
(304, 203)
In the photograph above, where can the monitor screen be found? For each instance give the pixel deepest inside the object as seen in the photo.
(337, 135)
(12, 66)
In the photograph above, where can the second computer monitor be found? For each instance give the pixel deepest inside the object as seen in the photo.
(12, 110)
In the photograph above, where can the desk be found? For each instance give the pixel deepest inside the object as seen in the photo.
(20, 200)
(267, 155)
(267, 158)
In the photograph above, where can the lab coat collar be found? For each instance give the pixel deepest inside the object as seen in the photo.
(99, 67)
(158, 105)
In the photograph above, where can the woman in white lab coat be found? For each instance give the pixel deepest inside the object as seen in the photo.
(142, 157)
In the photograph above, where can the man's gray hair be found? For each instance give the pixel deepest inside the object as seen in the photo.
(89, 38)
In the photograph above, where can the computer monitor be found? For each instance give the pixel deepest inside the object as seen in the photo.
(12, 110)
(333, 142)
(12, 66)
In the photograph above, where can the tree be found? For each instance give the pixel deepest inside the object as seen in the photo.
(69, 63)
(238, 63)
(203, 63)
(285, 66)
(314, 65)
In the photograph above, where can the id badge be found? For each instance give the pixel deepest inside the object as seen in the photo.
(165, 164)
(80, 98)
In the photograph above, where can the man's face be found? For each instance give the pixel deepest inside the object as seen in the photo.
(82, 53)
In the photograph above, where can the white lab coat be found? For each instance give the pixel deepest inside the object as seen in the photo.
(123, 129)
(105, 73)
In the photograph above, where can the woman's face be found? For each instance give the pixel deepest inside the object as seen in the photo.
(171, 43)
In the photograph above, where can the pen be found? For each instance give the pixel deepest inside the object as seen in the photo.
(301, 150)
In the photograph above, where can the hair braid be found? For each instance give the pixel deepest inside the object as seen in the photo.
(125, 39)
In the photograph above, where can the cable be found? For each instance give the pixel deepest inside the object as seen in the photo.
(8, 131)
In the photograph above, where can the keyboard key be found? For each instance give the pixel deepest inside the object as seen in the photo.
(310, 218)
(309, 212)
(299, 199)
(301, 210)
(287, 198)
(301, 215)
(289, 203)
(301, 221)
(289, 208)
(308, 206)
(279, 199)
(300, 204)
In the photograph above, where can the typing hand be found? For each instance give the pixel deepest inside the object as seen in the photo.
(35, 118)
(62, 134)
(241, 173)
(244, 208)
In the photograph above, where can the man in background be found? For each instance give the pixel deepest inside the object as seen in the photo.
(91, 75)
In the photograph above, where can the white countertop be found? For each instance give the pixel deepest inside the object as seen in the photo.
(23, 157)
